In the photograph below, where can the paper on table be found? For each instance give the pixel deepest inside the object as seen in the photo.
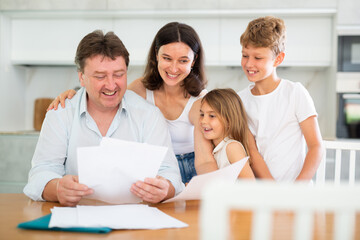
(128, 216)
(111, 168)
(194, 188)
(67, 217)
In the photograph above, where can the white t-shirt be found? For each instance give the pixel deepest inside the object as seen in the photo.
(274, 121)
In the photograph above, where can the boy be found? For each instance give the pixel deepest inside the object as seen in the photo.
(281, 113)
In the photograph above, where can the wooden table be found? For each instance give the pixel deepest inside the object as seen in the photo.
(16, 208)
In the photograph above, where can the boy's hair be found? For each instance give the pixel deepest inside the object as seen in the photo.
(228, 105)
(96, 43)
(268, 32)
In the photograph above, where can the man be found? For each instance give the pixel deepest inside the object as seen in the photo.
(101, 108)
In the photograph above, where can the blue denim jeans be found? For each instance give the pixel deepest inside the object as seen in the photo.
(186, 165)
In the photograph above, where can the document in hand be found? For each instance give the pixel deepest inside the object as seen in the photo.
(127, 216)
(111, 168)
(194, 188)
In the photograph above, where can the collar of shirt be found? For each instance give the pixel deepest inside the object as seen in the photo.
(220, 145)
(89, 120)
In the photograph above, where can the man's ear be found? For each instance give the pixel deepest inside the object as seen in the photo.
(81, 79)
(279, 59)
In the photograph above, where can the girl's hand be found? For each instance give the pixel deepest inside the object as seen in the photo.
(61, 99)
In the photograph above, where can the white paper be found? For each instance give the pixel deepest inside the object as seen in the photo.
(111, 168)
(127, 216)
(194, 188)
(65, 216)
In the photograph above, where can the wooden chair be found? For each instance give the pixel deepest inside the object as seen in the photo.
(262, 198)
(339, 147)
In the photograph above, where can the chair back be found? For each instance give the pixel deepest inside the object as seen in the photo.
(263, 198)
(339, 147)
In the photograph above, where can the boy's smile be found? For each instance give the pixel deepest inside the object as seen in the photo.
(259, 65)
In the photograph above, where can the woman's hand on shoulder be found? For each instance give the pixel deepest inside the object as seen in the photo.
(138, 87)
(61, 99)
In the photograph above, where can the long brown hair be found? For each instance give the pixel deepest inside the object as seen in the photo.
(196, 81)
(228, 105)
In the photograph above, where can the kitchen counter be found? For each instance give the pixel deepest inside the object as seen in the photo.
(21, 132)
(16, 151)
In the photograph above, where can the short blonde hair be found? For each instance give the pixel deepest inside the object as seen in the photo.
(228, 105)
(268, 32)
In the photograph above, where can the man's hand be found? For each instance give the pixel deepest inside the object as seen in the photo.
(153, 190)
(66, 190)
(70, 191)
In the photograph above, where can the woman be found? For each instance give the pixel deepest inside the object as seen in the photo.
(174, 80)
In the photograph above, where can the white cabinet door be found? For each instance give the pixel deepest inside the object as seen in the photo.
(50, 41)
(349, 13)
(53, 40)
(309, 41)
(208, 30)
(137, 35)
(230, 48)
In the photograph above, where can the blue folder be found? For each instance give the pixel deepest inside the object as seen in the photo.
(42, 223)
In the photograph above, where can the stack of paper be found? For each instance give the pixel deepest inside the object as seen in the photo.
(128, 216)
(111, 168)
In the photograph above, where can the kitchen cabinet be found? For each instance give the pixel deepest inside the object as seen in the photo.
(50, 41)
(52, 38)
(349, 13)
(309, 41)
(16, 151)
(138, 34)
(348, 18)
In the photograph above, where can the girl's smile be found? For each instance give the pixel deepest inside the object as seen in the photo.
(211, 125)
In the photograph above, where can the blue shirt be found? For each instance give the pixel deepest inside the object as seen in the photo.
(66, 129)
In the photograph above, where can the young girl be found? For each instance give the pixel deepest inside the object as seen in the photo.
(223, 122)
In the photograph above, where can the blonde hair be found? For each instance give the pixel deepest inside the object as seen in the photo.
(228, 105)
(268, 32)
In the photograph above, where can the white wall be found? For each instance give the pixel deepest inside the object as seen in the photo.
(12, 84)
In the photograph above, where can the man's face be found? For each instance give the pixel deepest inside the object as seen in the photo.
(105, 81)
